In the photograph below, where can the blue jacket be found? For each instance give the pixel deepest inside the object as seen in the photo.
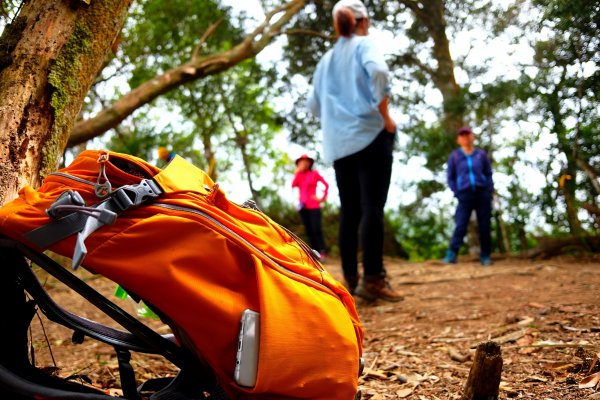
(468, 172)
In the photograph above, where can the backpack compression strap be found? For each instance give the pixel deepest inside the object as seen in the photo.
(86, 220)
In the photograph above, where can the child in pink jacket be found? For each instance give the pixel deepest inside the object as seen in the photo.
(306, 180)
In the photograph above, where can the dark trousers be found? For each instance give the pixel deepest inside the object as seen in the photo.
(479, 200)
(363, 180)
(311, 218)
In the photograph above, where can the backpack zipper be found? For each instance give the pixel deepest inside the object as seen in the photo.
(241, 239)
(72, 177)
(225, 228)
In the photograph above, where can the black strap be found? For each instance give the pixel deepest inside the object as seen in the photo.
(150, 339)
(81, 326)
(17, 385)
(198, 375)
(127, 375)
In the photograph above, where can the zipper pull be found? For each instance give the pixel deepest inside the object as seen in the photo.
(102, 188)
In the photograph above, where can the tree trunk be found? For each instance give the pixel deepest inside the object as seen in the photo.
(483, 382)
(432, 15)
(503, 239)
(51, 53)
(549, 246)
(572, 209)
(195, 69)
(566, 146)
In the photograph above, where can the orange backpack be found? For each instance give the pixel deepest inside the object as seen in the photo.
(172, 238)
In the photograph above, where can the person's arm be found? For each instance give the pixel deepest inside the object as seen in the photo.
(313, 103)
(295, 181)
(487, 171)
(451, 174)
(389, 123)
(379, 75)
(326, 190)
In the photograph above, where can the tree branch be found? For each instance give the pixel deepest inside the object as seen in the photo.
(591, 174)
(411, 59)
(211, 29)
(199, 68)
(415, 6)
(308, 32)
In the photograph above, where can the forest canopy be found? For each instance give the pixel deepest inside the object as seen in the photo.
(523, 74)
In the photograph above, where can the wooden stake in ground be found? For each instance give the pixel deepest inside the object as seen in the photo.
(484, 378)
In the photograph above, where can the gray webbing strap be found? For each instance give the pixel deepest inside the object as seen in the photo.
(84, 224)
(55, 231)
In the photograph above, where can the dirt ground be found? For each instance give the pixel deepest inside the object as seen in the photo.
(544, 314)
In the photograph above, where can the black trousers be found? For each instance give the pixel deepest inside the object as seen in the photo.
(311, 218)
(363, 181)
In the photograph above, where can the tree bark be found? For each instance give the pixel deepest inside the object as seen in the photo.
(432, 15)
(483, 382)
(569, 185)
(195, 69)
(50, 55)
(502, 232)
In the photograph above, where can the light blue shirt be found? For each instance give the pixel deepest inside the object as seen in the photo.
(349, 83)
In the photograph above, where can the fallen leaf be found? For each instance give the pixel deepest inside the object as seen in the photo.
(594, 363)
(510, 337)
(457, 356)
(525, 340)
(559, 366)
(402, 393)
(535, 378)
(525, 321)
(406, 353)
(376, 374)
(590, 381)
(536, 305)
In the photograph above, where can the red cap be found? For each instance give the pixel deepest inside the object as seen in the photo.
(465, 130)
(305, 157)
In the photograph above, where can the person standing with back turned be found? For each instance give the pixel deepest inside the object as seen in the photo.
(350, 96)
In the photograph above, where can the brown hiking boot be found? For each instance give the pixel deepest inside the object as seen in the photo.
(378, 289)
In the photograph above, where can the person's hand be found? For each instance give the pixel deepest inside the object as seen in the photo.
(390, 125)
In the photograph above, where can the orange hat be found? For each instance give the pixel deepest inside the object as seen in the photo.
(163, 153)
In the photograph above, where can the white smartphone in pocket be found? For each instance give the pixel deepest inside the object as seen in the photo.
(246, 363)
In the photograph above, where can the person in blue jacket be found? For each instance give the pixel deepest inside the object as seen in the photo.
(470, 178)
